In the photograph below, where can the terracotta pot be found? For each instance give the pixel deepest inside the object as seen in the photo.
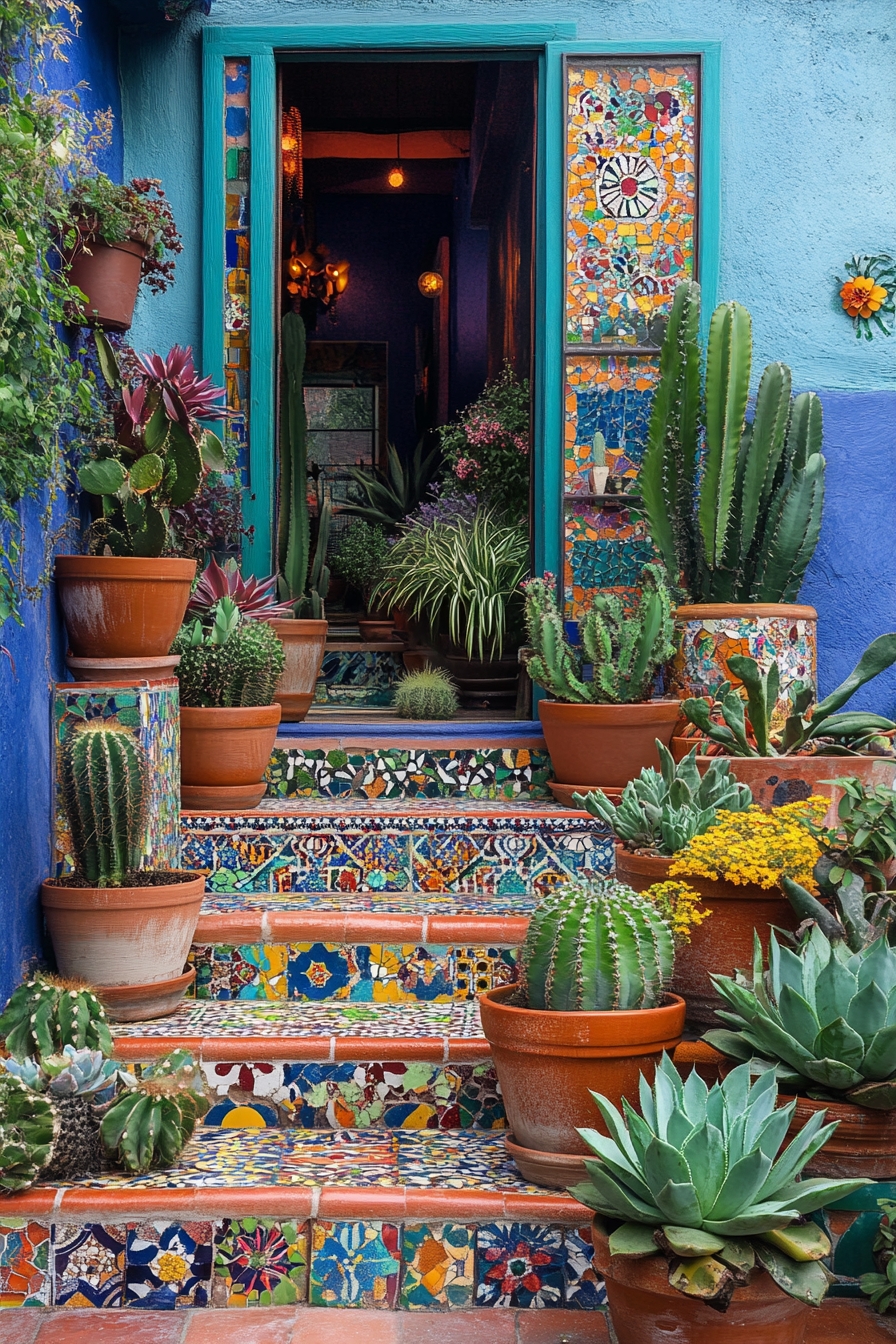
(644, 1308)
(563, 793)
(600, 746)
(224, 756)
(376, 631)
(776, 780)
(304, 643)
(122, 606)
(640, 871)
(484, 684)
(711, 632)
(863, 1144)
(123, 935)
(547, 1061)
(122, 671)
(417, 660)
(109, 274)
(137, 1003)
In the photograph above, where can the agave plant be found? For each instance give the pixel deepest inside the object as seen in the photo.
(823, 1017)
(81, 1073)
(701, 1176)
(255, 598)
(390, 495)
(662, 810)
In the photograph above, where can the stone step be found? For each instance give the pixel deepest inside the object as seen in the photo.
(285, 849)
(408, 1219)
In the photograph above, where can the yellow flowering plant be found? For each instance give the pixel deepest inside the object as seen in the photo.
(678, 904)
(756, 847)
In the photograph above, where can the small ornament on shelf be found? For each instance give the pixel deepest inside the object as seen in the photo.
(868, 294)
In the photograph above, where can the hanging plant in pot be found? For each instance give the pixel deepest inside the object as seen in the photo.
(733, 506)
(122, 235)
(229, 667)
(122, 928)
(701, 1227)
(591, 1010)
(123, 603)
(601, 732)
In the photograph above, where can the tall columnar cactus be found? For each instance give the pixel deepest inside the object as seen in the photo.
(596, 946)
(747, 533)
(294, 528)
(625, 650)
(104, 786)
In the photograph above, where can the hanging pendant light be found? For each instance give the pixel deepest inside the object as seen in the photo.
(395, 176)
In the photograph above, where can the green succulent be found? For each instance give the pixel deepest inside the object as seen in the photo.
(823, 1016)
(858, 918)
(45, 1014)
(234, 664)
(27, 1127)
(596, 946)
(701, 1176)
(148, 1126)
(881, 1287)
(427, 694)
(71, 1073)
(103, 777)
(663, 809)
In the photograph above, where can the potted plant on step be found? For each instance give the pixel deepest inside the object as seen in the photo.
(120, 927)
(360, 560)
(591, 1010)
(701, 1227)
(602, 731)
(229, 669)
(780, 766)
(122, 235)
(303, 582)
(733, 506)
(123, 603)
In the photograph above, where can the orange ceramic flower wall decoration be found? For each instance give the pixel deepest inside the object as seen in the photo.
(868, 293)
(862, 297)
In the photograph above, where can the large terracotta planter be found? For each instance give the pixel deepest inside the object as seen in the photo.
(776, 780)
(109, 274)
(547, 1061)
(224, 754)
(304, 643)
(122, 606)
(484, 685)
(863, 1144)
(644, 1309)
(604, 746)
(124, 936)
(709, 633)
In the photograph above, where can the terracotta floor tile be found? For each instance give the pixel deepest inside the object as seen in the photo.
(347, 1325)
(112, 1327)
(241, 1325)
(846, 1320)
(19, 1325)
(492, 1325)
(570, 1327)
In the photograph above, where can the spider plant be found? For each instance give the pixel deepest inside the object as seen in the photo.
(462, 577)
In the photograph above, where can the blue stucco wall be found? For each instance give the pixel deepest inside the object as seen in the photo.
(37, 648)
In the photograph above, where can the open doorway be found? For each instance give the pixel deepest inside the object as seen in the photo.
(406, 247)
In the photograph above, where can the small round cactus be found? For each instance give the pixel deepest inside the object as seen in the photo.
(429, 694)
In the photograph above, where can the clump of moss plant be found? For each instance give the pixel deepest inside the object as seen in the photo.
(429, 694)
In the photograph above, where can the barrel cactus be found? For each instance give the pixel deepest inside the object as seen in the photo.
(427, 694)
(596, 946)
(733, 505)
(233, 664)
(27, 1129)
(824, 1017)
(103, 772)
(700, 1177)
(148, 1126)
(47, 1013)
(625, 648)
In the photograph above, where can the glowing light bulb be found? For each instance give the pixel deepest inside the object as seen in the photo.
(430, 284)
(396, 176)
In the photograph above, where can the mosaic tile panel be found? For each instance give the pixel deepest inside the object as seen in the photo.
(631, 188)
(225, 896)
(237, 261)
(354, 1264)
(260, 1262)
(169, 1266)
(510, 773)
(24, 1263)
(152, 715)
(424, 846)
(298, 1020)
(520, 1265)
(89, 1264)
(366, 677)
(609, 395)
(585, 1288)
(439, 1266)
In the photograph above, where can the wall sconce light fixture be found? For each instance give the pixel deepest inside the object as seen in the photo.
(430, 284)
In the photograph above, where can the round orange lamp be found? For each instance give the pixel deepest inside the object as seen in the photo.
(430, 284)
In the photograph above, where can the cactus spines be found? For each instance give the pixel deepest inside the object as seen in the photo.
(149, 1125)
(748, 532)
(594, 947)
(427, 694)
(27, 1131)
(47, 1013)
(103, 772)
(626, 650)
(236, 664)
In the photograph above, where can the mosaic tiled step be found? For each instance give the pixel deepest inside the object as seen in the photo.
(353, 845)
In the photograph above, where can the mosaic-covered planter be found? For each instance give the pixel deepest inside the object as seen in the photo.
(711, 632)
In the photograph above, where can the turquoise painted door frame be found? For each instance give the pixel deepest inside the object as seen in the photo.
(546, 43)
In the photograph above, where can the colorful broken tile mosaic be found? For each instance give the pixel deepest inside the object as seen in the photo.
(89, 1264)
(363, 677)
(701, 662)
(169, 1266)
(354, 1264)
(224, 895)
(585, 1288)
(300, 1020)
(236, 297)
(631, 194)
(439, 1266)
(152, 715)
(604, 549)
(609, 395)
(520, 1265)
(260, 1262)
(380, 772)
(24, 1263)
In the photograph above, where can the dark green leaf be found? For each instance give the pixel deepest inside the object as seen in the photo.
(104, 477)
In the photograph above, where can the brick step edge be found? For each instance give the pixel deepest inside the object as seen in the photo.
(325, 926)
(306, 1049)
